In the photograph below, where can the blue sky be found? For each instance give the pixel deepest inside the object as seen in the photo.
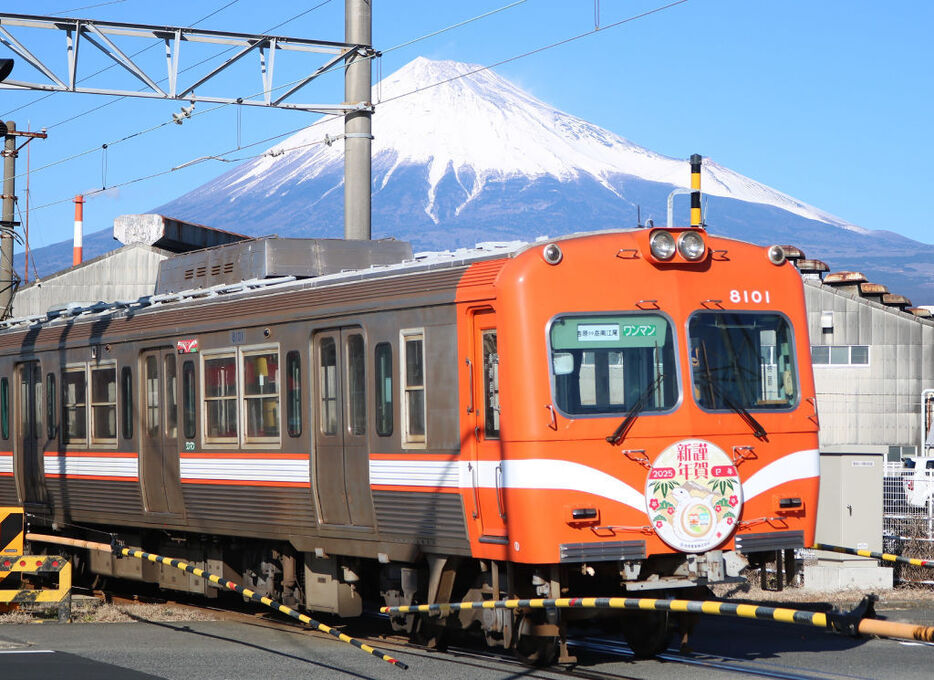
(827, 101)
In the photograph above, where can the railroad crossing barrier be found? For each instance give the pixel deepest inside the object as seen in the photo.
(39, 564)
(886, 557)
(222, 583)
(855, 622)
(12, 561)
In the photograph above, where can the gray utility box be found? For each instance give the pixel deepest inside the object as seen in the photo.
(850, 508)
(849, 515)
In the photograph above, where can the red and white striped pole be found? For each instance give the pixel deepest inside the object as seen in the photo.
(79, 228)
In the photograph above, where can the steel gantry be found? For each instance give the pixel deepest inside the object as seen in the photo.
(101, 34)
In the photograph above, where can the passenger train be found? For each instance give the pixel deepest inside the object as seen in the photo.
(626, 411)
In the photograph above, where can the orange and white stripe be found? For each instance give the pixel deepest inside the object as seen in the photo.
(246, 469)
(122, 467)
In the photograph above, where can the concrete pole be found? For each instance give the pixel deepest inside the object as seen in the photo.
(358, 28)
(6, 237)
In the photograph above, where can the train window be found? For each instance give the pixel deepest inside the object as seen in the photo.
(5, 408)
(610, 364)
(293, 393)
(261, 395)
(356, 385)
(413, 386)
(37, 395)
(188, 399)
(74, 406)
(490, 386)
(220, 396)
(327, 356)
(742, 360)
(171, 398)
(104, 404)
(383, 354)
(126, 388)
(51, 409)
(151, 382)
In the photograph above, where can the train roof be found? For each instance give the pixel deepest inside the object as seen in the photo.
(419, 262)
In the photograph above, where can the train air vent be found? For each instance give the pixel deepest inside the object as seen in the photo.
(201, 271)
(189, 274)
(228, 267)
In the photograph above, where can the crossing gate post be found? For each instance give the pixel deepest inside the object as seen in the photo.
(12, 560)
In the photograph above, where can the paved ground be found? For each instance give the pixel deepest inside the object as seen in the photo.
(244, 649)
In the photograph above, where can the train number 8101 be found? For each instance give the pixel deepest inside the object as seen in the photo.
(756, 297)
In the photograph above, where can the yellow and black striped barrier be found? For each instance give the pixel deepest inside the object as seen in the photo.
(851, 623)
(885, 557)
(246, 592)
(39, 564)
(817, 619)
(11, 531)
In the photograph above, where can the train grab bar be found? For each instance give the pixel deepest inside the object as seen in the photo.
(470, 383)
(499, 490)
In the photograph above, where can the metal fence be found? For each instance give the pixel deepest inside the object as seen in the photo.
(908, 501)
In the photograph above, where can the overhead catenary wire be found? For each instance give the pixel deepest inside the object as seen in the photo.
(405, 94)
(334, 68)
(164, 123)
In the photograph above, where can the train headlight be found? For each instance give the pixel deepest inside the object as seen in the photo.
(777, 255)
(662, 244)
(691, 246)
(552, 253)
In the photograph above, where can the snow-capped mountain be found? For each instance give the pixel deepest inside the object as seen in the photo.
(461, 155)
(469, 125)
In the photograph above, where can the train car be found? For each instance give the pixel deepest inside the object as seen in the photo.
(606, 413)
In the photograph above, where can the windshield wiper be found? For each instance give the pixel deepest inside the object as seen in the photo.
(619, 434)
(757, 430)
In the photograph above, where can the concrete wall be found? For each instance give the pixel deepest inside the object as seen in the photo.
(878, 405)
(124, 274)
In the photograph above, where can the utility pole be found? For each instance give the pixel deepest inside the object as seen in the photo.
(7, 225)
(358, 27)
(8, 279)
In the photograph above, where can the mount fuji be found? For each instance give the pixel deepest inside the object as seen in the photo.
(461, 155)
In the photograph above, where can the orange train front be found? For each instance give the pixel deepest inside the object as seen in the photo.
(640, 395)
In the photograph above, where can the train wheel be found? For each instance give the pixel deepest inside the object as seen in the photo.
(531, 649)
(647, 633)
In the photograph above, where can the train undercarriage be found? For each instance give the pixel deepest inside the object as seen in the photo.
(342, 586)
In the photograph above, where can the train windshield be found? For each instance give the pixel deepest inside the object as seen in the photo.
(605, 364)
(742, 360)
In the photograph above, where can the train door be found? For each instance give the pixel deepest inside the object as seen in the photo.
(158, 455)
(28, 454)
(341, 453)
(486, 463)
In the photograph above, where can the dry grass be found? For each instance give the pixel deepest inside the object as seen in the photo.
(97, 612)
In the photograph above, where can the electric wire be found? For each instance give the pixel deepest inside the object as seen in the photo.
(156, 127)
(541, 49)
(100, 4)
(528, 53)
(280, 87)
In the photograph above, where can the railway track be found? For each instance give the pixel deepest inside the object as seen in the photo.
(599, 658)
